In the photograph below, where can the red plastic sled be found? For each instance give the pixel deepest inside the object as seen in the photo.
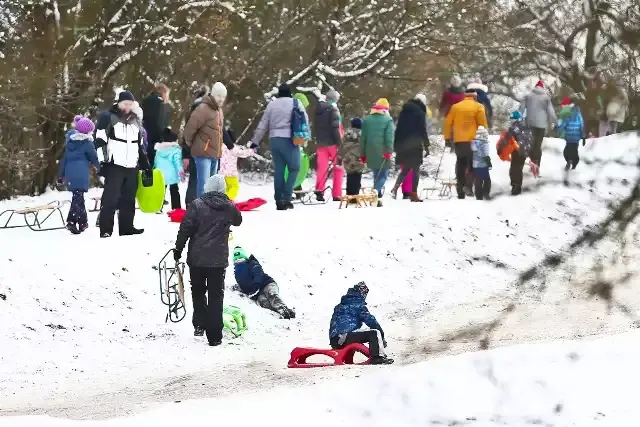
(343, 356)
(176, 215)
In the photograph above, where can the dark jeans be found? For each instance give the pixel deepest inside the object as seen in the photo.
(571, 154)
(285, 155)
(77, 211)
(354, 184)
(515, 170)
(483, 183)
(363, 337)
(403, 175)
(208, 315)
(175, 196)
(119, 194)
(193, 183)
(464, 167)
(536, 148)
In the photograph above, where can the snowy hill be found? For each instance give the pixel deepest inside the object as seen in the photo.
(84, 324)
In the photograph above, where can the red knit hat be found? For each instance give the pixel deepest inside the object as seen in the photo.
(566, 101)
(540, 84)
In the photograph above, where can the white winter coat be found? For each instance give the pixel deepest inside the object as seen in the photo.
(618, 107)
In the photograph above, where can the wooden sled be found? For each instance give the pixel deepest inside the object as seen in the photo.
(440, 191)
(368, 197)
(32, 217)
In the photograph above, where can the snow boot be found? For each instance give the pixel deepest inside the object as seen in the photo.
(105, 235)
(516, 190)
(286, 313)
(198, 331)
(381, 360)
(405, 196)
(319, 196)
(394, 191)
(337, 199)
(214, 343)
(415, 198)
(83, 227)
(281, 206)
(379, 203)
(72, 228)
(133, 232)
(288, 205)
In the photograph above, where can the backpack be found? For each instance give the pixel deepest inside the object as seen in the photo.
(299, 126)
(506, 146)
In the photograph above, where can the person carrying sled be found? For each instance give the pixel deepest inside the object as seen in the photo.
(523, 138)
(349, 316)
(206, 226)
(376, 143)
(481, 164)
(79, 156)
(572, 130)
(168, 159)
(257, 284)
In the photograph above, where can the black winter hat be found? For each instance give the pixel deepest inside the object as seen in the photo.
(284, 91)
(169, 136)
(125, 95)
(356, 123)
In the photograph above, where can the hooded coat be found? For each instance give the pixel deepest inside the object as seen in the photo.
(463, 120)
(204, 130)
(376, 138)
(482, 92)
(327, 124)
(118, 139)
(250, 276)
(206, 225)
(452, 96)
(155, 118)
(411, 133)
(79, 155)
(277, 119)
(169, 160)
(538, 109)
(351, 314)
(350, 152)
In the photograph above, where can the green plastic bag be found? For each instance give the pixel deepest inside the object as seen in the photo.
(150, 199)
(234, 320)
(304, 169)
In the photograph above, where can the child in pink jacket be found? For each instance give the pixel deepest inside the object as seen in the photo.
(229, 167)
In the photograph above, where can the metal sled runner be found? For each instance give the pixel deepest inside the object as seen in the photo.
(172, 288)
(441, 190)
(32, 217)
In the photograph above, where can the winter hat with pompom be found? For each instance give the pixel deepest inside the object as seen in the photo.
(333, 96)
(215, 183)
(382, 104)
(566, 101)
(356, 123)
(482, 133)
(540, 84)
(85, 126)
(515, 115)
(422, 98)
(456, 81)
(76, 118)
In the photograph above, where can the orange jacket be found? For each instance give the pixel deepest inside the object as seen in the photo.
(463, 120)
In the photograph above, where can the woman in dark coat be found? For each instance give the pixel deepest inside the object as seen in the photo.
(411, 140)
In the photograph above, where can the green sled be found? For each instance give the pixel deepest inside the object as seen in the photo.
(304, 170)
(234, 320)
(150, 199)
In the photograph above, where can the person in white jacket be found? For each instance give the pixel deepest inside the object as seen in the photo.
(617, 108)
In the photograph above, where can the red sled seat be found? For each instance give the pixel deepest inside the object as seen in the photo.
(343, 356)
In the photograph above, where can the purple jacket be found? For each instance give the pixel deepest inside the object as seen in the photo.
(450, 98)
(277, 119)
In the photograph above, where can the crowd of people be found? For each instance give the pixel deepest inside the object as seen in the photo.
(129, 137)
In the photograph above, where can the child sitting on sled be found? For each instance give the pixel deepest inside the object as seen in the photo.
(257, 284)
(349, 316)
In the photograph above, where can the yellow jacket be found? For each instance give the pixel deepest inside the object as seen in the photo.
(463, 120)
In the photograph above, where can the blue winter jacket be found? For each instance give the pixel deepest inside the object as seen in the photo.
(79, 155)
(350, 314)
(251, 277)
(572, 128)
(169, 160)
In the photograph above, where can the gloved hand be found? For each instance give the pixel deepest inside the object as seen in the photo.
(488, 160)
(387, 156)
(253, 145)
(584, 141)
(363, 160)
(177, 255)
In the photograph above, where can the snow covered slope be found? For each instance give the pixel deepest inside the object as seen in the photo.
(82, 320)
(559, 384)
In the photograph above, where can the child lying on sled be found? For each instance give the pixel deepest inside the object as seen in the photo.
(258, 285)
(349, 316)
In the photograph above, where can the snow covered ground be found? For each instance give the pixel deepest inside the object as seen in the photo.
(84, 332)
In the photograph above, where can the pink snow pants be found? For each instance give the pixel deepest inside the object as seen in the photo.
(407, 184)
(324, 154)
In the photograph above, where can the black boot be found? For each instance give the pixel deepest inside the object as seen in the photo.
(516, 190)
(320, 196)
(133, 232)
(198, 331)
(381, 360)
(281, 206)
(72, 228)
(288, 205)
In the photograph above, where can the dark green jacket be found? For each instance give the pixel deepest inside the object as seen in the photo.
(377, 139)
